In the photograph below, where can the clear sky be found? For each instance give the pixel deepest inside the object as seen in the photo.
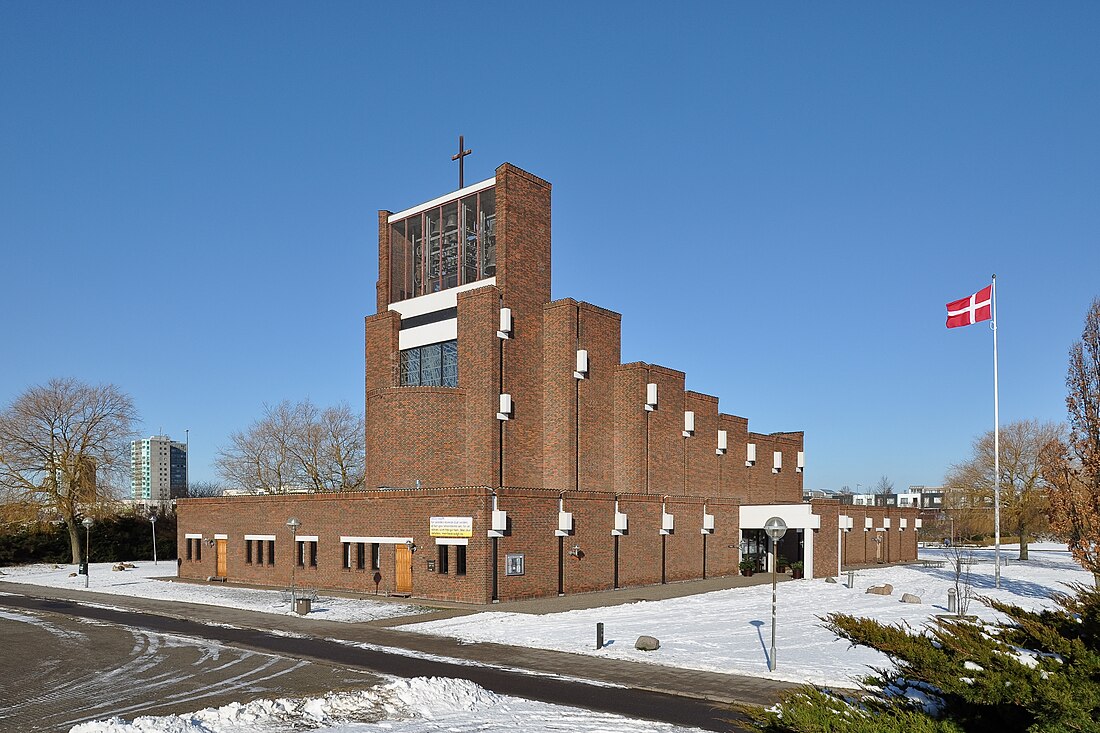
(779, 198)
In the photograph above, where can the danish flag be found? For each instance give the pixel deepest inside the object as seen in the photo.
(965, 311)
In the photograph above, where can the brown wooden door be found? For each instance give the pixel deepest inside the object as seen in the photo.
(221, 559)
(403, 569)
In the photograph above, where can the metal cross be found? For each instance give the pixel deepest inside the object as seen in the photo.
(462, 153)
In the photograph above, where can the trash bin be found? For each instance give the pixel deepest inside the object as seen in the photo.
(302, 606)
(83, 569)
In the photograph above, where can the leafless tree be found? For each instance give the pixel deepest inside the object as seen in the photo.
(884, 485)
(959, 560)
(1073, 466)
(201, 489)
(297, 446)
(57, 440)
(1024, 499)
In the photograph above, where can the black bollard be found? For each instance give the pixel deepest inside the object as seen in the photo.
(599, 635)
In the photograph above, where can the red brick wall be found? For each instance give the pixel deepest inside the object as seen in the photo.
(479, 376)
(533, 519)
(702, 464)
(416, 433)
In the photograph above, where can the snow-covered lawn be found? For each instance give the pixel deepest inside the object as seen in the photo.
(729, 631)
(419, 705)
(141, 582)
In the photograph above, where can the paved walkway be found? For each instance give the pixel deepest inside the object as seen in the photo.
(714, 686)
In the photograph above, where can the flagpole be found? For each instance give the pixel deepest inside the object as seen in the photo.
(996, 450)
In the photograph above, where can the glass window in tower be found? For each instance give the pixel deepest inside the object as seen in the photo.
(449, 265)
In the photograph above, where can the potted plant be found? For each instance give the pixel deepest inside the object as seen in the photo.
(781, 564)
(747, 566)
(796, 569)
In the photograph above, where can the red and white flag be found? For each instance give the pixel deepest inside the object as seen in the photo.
(965, 311)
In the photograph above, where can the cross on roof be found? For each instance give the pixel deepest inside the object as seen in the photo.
(462, 153)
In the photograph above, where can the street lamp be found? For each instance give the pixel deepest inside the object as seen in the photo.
(153, 521)
(294, 523)
(87, 549)
(775, 527)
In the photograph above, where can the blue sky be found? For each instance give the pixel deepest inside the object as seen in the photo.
(779, 199)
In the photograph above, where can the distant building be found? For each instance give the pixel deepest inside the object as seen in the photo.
(158, 469)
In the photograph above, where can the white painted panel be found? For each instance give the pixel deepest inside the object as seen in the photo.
(472, 188)
(500, 520)
(689, 422)
(433, 302)
(708, 521)
(651, 394)
(777, 461)
(377, 540)
(723, 440)
(429, 333)
(668, 522)
(620, 522)
(750, 454)
(221, 536)
(565, 521)
(452, 540)
(259, 537)
(192, 536)
(797, 516)
(582, 361)
(308, 538)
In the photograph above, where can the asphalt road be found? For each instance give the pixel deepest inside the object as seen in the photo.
(270, 665)
(63, 669)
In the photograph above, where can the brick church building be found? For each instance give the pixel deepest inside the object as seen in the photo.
(510, 452)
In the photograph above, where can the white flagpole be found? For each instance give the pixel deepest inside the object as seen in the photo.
(996, 450)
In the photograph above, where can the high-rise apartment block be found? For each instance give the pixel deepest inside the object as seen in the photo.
(158, 469)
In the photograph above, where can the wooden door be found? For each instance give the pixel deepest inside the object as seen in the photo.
(403, 569)
(221, 559)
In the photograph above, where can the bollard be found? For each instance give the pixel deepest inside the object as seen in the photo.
(851, 579)
(599, 635)
(952, 601)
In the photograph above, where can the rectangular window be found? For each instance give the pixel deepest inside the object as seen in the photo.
(360, 556)
(375, 556)
(443, 557)
(198, 550)
(431, 365)
(271, 552)
(347, 556)
(313, 554)
(259, 552)
(190, 549)
(248, 552)
(460, 559)
(300, 553)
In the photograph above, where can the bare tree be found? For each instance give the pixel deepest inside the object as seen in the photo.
(297, 446)
(1073, 466)
(884, 485)
(959, 561)
(201, 489)
(1024, 499)
(56, 439)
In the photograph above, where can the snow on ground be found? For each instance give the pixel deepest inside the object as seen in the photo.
(419, 705)
(729, 631)
(141, 582)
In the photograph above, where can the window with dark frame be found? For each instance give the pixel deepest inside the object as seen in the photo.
(259, 552)
(360, 556)
(460, 559)
(347, 556)
(248, 552)
(313, 554)
(375, 556)
(444, 555)
(271, 552)
(300, 553)
(431, 365)
(444, 246)
(198, 550)
(190, 548)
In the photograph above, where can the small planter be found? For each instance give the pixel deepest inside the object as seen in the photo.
(747, 572)
(796, 573)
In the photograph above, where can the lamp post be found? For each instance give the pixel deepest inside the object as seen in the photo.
(87, 549)
(153, 521)
(294, 523)
(775, 528)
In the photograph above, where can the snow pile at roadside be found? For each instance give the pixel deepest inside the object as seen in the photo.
(141, 582)
(730, 631)
(417, 705)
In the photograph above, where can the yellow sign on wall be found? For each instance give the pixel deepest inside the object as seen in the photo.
(451, 526)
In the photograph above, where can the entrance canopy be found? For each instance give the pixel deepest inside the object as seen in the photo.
(796, 516)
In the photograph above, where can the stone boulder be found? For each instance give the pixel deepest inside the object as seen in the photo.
(830, 579)
(910, 598)
(647, 643)
(881, 590)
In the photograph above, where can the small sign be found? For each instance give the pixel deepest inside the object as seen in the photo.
(513, 563)
(451, 526)
(431, 566)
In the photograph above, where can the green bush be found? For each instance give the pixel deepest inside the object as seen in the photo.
(113, 539)
(1037, 672)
